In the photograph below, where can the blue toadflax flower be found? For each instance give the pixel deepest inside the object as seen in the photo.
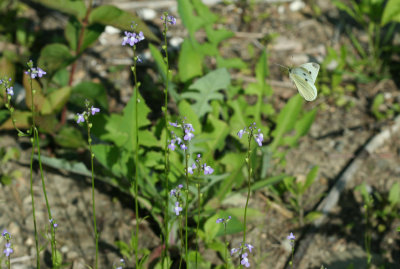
(177, 209)
(8, 249)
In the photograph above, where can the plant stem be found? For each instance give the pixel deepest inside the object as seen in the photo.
(198, 219)
(166, 150)
(186, 206)
(248, 187)
(136, 95)
(33, 205)
(226, 247)
(96, 234)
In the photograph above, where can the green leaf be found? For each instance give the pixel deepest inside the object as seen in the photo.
(206, 89)
(262, 70)
(311, 176)
(190, 61)
(90, 35)
(69, 137)
(54, 57)
(216, 36)
(233, 166)
(55, 101)
(287, 119)
(211, 228)
(95, 93)
(266, 182)
(76, 8)
(111, 15)
(186, 110)
(22, 121)
(112, 158)
(313, 215)
(378, 101)
(391, 12)
(236, 63)
(191, 22)
(394, 194)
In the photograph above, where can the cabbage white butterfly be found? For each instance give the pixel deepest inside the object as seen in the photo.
(304, 77)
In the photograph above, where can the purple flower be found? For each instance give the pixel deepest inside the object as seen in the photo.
(180, 186)
(37, 72)
(172, 146)
(190, 169)
(175, 124)
(177, 208)
(249, 247)
(132, 38)
(259, 138)
(94, 110)
(172, 192)
(140, 36)
(245, 260)
(81, 118)
(234, 250)
(220, 220)
(240, 133)
(5, 233)
(207, 170)
(10, 91)
(139, 60)
(183, 146)
(8, 249)
(291, 236)
(171, 20)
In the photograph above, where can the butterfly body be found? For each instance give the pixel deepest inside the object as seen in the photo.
(304, 77)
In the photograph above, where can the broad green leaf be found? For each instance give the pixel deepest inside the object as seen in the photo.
(22, 121)
(190, 61)
(186, 110)
(204, 12)
(55, 101)
(111, 15)
(378, 101)
(214, 135)
(69, 137)
(253, 214)
(72, 7)
(391, 12)
(236, 63)
(233, 165)
(211, 228)
(95, 93)
(191, 22)
(112, 158)
(266, 182)
(54, 57)
(313, 215)
(206, 89)
(287, 119)
(216, 36)
(4, 114)
(90, 35)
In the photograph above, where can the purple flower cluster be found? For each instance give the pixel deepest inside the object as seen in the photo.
(242, 252)
(7, 85)
(132, 38)
(177, 192)
(8, 250)
(208, 170)
(181, 142)
(81, 117)
(34, 72)
(168, 19)
(258, 136)
(53, 223)
(120, 264)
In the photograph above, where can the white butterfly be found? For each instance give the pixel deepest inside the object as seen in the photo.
(304, 77)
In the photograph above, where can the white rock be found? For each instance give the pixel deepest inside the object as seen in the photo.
(147, 14)
(281, 9)
(297, 5)
(112, 30)
(176, 41)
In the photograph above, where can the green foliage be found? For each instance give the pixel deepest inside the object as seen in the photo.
(6, 155)
(381, 110)
(373, 16)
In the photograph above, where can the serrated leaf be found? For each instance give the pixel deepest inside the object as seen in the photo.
(206, 89)
(111, 15)
(190, 61)
(54, 57)
(191, 22)
(72, 7)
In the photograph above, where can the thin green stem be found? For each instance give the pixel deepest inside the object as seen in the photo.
(96, 234)
(226, 247)
(181, 232)
(166, 151)
(198, 219)
(186, 206)
(291, 262)
(33, 206)
(136, 95)
(248, 187)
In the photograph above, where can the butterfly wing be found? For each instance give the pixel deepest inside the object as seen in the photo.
(304, 83)
(312, 69)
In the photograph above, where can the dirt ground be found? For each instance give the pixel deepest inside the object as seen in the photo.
(334, 141)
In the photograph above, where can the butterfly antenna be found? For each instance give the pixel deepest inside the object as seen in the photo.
(281, 66)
